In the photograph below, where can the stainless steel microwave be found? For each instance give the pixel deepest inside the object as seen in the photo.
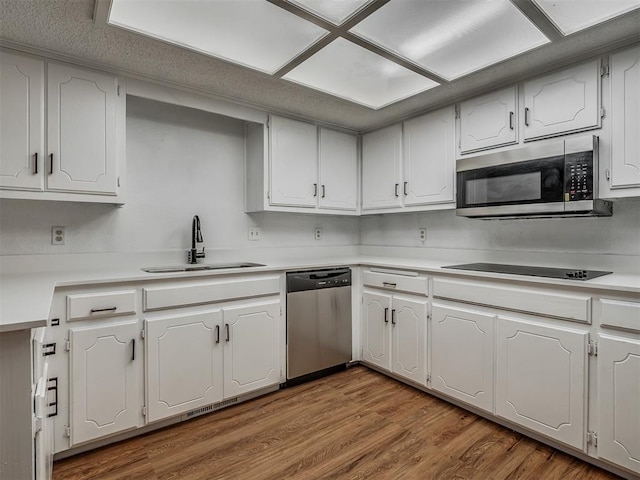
(552, 179)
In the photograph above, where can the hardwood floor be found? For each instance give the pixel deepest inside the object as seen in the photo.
(357, 424)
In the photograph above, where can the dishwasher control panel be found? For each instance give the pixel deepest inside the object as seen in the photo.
(317, 279)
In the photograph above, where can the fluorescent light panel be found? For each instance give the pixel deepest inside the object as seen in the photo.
(252, 33)
(571, 16)
(334, 11)
(347, 70)
(451, 38)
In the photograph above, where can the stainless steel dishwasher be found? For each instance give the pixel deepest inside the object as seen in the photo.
(318, 322)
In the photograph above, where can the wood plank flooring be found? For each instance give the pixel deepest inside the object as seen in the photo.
(357, 424)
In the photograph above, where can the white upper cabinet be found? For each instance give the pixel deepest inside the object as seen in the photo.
(293, 151)
(489, 120)
(382, 168)
(563, 101)
(429, 158)
(338, 170)
(21, 122)
(625, 118)
(81, 130)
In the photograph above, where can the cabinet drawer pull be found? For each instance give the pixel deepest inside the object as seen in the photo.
(35, 163)
(393, 316)
(511, 120)
(389, 284)
(323, 191)
(315, 189)
(101, 310)
(133, 349)
(217, 333)
(386, 315)
(526, 116)
(226, 327)
(396, 191)
(51, 164)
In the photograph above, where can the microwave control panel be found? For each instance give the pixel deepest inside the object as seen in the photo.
(578, 176)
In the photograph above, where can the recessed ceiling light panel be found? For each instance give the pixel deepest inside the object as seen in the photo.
(347, 70)
(252, 33)
(571, 16)
(451, 38)
(334, 11)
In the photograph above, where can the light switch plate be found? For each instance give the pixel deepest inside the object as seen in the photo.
(255, 233)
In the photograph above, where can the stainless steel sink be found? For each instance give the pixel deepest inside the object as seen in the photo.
(198, 268)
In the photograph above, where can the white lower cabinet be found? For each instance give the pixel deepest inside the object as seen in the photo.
(541, 378)
(394, 334)
(105, 379)
(462, 352)
(619, 401)
(198, 359)
(183, 363)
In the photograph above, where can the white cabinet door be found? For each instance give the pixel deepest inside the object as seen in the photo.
(250, 336)
(105, 380)
(408, 339)
(376, 312)
(563, 101)
(338, 170)
(462, 366)
(489, 120)
(619, 401)
(381, 168)
(293, 148)
(81, 130)
(183, 363)
(625, 118)
(541, 379)
(429, 158)
(21, 122)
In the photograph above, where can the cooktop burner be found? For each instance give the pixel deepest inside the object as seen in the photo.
(531, 271)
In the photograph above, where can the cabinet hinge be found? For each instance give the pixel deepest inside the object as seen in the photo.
(142, 334)
(428, 377)
(37, 425)
(268, 123)
(144, 411)
(118, 90)
(457, 111)
(592, 348)
(67, 346)
(67, 431)
(607, 174)
(604, 71)
(602, 112)
(592, 438)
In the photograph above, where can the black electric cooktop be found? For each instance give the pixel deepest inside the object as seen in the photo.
(568, 274)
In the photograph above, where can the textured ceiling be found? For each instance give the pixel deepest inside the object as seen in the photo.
(65, 28)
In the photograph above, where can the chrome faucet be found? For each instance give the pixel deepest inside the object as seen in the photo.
(196, 237)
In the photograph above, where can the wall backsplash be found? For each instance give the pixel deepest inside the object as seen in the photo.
(182, 162)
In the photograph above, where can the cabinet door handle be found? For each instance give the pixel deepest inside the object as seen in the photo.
(397, 185)
(386, 315)
(315, 189)
(526, 116)
(133, 349)
(101, 310)
(51, 164)
(393, 316)
(217, 333)
(405, 188)
(35, 163)
(511, 120)
(323, 191)
(226, 327)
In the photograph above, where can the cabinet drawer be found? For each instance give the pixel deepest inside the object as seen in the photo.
(156, 298)
(90, 305)
(616, 313)
(412, 283)
(571, 307)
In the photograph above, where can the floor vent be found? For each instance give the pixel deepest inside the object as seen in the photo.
(210, 408)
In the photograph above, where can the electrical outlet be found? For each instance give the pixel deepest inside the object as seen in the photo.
(422, 234)
(318, 233)
(255, 233)
(58, 235)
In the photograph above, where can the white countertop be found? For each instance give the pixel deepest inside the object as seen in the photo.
(25, 297)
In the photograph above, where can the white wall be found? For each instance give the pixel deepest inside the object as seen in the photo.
(180, 162)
